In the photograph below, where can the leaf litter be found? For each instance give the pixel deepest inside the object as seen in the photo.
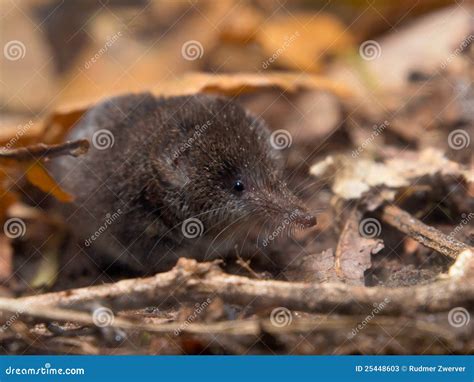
(381, 150)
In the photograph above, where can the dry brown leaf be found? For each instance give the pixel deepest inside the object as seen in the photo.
(241, 24)
(354, 177)
(372, 21)
(39, 176)
(15, 132)
(318, 268)
(391, 59)
(463, 268)
(407, 50)
(227, 84)
(6, 258)
(234, 84)
(302, 41)
(28, 160)
(353, 252)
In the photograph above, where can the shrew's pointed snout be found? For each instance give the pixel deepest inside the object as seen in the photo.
(285, 205)
(303, 218)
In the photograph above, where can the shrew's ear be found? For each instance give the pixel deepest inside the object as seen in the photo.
(173, 171)
(170, 177)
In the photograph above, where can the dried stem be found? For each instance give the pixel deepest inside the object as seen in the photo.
(251, 327)
(426, 235)
(193, 281)
(42, 151)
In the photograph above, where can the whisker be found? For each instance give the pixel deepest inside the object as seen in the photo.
(223, 230)
(172, 228)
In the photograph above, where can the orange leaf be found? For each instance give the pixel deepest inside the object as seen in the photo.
(302, 41)
(39, 176)
(198, 82)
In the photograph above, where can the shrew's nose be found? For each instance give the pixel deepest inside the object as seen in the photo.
(305, 219)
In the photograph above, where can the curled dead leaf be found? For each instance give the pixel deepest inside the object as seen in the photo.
(356, 245)
(29, 161)
(226, 84)
(351, 178)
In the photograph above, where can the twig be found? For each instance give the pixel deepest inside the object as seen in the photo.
(251, 327)
(426, 235)
(42, 151)
(192, 281)
(246, 265)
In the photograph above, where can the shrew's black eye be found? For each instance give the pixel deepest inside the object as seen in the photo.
(239, 186)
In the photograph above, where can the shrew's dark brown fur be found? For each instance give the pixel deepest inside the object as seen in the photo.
(162, 171)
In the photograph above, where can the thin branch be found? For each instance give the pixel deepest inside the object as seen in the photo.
(43, 151)
(426, 235)
(193, 281)
(250, 327)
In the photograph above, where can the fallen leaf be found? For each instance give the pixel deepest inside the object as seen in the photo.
(302, 41)
(225, 84)
(6, 258)
(318, 268)
(234, 84)
(385, 64)
(407, 50)
(356, 245)
(463, 268)
(352, 178)
(241, 24)
(29, 160)
(39, 177)
(15, 132)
